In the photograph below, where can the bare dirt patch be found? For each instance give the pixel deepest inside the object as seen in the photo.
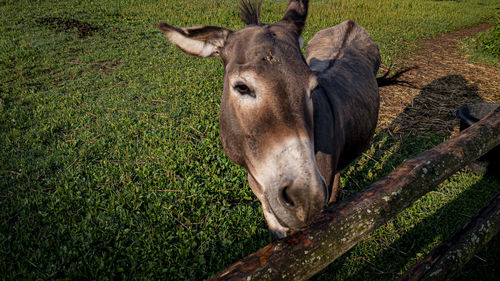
(108, 66)
(443, 80)
(83, 29)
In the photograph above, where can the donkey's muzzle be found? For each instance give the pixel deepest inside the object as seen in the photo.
(296, 203)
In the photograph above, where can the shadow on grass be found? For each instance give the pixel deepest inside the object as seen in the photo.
(428, 121)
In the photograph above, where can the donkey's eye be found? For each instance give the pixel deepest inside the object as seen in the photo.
(243, 89)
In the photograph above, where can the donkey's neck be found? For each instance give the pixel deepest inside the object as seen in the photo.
(328, 137)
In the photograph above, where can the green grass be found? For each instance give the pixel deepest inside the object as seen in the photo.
(112, 167)
(485, 47)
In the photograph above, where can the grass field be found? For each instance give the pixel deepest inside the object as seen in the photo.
(485, 47)
(111, 163)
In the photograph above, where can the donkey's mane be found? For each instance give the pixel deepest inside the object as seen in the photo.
(250, 11)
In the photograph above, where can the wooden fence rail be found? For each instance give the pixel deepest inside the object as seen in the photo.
(342, 226)
(449, 257)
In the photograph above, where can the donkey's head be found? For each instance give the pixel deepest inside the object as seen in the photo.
(266, 118)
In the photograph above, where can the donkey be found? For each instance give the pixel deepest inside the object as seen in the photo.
(292, 122)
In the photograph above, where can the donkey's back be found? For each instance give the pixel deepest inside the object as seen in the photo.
(346, 60)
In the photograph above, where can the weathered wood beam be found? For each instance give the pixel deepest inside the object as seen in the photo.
(449, 257)
(339, 228)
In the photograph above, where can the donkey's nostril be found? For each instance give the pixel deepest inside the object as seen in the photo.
(286, 198)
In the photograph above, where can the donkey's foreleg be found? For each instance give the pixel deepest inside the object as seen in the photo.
(335, 189)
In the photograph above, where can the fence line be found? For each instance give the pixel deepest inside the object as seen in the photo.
(339, 228)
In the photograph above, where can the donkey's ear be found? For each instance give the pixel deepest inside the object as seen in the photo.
(295, 16)
(200, 41)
